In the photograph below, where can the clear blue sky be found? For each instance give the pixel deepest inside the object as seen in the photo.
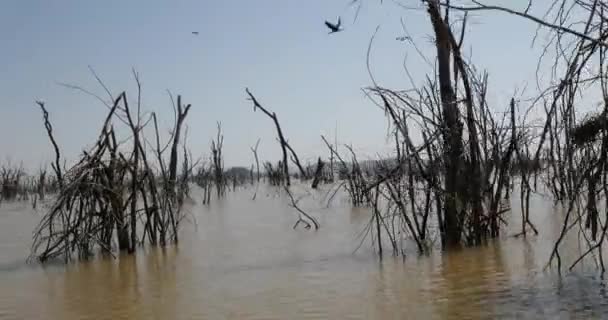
(279, 49)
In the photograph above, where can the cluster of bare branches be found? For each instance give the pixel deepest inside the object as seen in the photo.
(117, 189)
(18, 185)
(568, 155)
(353, 178)
(572, 151)
(575, 150)
(11, 185)
(275, 174)
(421, 193)
(215, 175)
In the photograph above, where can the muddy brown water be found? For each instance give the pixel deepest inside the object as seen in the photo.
(240, 259)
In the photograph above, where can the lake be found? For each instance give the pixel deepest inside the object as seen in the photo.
(241, 259)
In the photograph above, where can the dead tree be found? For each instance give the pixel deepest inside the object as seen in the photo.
(109, 192)
(575, 154)
(318, 173)
(180, 116)
(254, 150)
(356, 185)
(41, 184)
(283, 142)
(452, 126)
(303, 217)
(218, 162)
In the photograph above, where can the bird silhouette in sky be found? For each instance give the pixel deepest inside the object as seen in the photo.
(334, 27)
(195, 33)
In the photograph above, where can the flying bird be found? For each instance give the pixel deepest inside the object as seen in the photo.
(334, 27)
(195, 33)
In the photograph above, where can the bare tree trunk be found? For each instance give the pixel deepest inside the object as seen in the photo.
(452, 128)
(180, 117)
(41, 184)
(318, 172)
(218, 162)
(378, 218)
(257, 161)
(134, 125)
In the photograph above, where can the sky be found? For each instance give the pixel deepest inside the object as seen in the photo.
(279, 49)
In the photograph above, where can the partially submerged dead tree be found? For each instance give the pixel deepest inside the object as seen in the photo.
(254, 150)
(180, 116)
(452, 128)
(422, 188)
(283, 142)
(571, 154)
(218, 162)
(113, 191)
(187, 174)
(354, 181)
(318, 173)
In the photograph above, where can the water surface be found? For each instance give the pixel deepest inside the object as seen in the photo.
(241, 259)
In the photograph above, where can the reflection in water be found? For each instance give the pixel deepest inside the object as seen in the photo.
(242, 260)
(465, 279)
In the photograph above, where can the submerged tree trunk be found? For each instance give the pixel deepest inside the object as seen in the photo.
(318, 172)
(102, 195)
(452, 128)
(180, 117)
